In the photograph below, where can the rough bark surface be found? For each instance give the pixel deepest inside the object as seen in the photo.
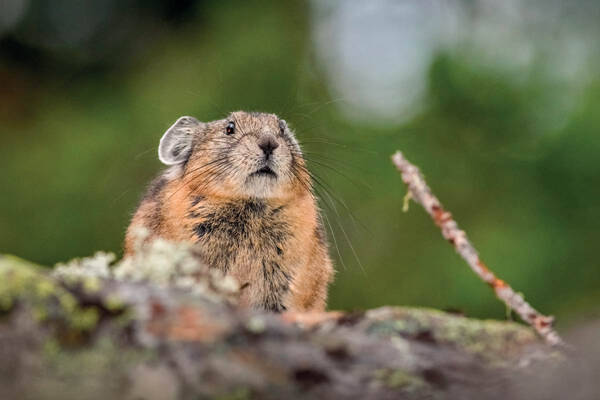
(91, 330)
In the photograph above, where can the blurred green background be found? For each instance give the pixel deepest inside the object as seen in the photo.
(499, 104)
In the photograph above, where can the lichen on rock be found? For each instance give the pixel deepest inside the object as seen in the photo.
(492, 340)
(25, 284)
(160, 262)
(100, 328)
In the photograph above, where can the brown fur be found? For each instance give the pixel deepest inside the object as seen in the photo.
(264, 232)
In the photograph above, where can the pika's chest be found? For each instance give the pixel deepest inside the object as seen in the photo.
(249, 241)
(231, 228)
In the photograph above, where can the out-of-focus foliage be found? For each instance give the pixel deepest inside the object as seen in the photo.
(83, 105)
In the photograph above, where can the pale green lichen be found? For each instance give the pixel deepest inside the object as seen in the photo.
(113, 303)
(51, 296)
(174, 264)
(256, 324)
(160, 262)
(97, 266)
(91, 284)
(27, 283)
(21, 279)
(16, 277)
(492, 340)
(85, 319)
(399, 379)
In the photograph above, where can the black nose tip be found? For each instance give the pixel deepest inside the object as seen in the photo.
(267, 144)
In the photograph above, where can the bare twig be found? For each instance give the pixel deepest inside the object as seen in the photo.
(420, 192)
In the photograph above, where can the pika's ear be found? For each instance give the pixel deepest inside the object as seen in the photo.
(176, 144)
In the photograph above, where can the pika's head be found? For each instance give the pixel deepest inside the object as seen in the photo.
(246, 155)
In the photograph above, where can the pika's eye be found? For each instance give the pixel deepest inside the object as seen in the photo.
(230, 130)
(282, 126)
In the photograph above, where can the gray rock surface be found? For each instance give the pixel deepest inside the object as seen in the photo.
(163, 326)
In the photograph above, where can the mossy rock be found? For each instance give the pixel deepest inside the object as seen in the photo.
(26, 284)
(87, 332)
(495, 341)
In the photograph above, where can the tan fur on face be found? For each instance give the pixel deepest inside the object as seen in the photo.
(266, 232)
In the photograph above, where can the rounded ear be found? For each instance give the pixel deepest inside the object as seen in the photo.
(176, 144)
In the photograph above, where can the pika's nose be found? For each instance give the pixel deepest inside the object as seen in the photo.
(267, 144)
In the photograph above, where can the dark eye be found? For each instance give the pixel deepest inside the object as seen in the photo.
(230, 130)
(282, 126)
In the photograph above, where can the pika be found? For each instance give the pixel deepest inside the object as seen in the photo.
(239, 190)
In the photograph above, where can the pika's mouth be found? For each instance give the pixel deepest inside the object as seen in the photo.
(265, 171)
